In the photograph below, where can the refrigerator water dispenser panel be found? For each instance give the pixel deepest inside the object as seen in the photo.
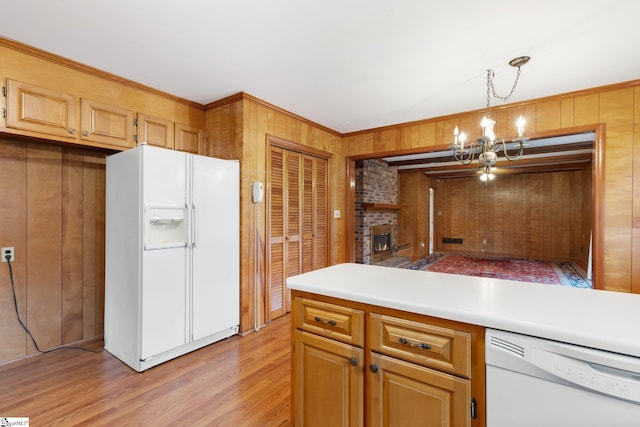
(166, 227)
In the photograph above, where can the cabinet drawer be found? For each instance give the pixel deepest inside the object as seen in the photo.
(428, 345)
(333, 321)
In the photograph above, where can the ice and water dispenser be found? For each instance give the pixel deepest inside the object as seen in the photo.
(166, 227)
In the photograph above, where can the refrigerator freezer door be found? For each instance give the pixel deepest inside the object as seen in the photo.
(216, 251)
(164, 290)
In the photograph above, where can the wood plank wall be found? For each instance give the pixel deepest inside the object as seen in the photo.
(237, 128)
(534, 216)
(617, 107)
(413, 218)
(52, 212)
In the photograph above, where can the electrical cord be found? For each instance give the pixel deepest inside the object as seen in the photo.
(33, 340)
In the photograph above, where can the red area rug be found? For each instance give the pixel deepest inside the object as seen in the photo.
(499, 268)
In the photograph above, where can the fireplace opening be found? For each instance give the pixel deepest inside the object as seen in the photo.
(381, 243)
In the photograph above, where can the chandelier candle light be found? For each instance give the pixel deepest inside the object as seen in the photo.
(488, 146)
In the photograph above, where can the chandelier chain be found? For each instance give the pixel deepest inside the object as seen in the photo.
(491, 90)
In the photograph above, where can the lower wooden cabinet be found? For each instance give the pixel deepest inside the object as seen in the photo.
(356, 364)
(405, 394)
(330, 382)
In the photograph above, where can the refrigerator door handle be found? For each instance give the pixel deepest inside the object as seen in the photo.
(194, 225)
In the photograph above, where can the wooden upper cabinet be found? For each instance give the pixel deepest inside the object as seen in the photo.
(189, 139)
(42, 110)
(155, 131)
(106, 124)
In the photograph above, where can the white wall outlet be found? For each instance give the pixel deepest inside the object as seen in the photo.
(336, 213)
(484, 241)
(8, 251)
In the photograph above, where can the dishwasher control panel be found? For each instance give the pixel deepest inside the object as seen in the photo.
(599, 371)
(604, 379)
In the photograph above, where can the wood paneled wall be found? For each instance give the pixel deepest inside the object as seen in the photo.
(617, 107)
(534, 216)
(237, 128)
(413, 218)
(52, 212)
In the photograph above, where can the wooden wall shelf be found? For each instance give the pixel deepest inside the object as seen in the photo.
(382, 207)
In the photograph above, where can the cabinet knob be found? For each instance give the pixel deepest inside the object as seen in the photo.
(72, 131)
(353, 361)
(373, 368)
(85, 133)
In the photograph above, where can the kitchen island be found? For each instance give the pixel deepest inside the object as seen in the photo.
(434, 323)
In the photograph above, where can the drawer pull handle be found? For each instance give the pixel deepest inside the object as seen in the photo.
(328, 322)
(421, 345)
(353, 361)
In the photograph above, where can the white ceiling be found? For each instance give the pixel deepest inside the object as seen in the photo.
(346, 64)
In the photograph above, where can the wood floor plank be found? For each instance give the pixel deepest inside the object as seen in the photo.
(241, 381)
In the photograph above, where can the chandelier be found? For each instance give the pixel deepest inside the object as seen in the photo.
(487, 147)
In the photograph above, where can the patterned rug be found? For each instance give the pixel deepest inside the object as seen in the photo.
(550, 273)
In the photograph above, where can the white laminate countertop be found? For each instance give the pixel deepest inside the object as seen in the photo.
(599, 319)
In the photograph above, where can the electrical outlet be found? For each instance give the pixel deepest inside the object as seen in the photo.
(8, 251)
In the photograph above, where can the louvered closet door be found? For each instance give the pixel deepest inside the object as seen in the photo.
(320, 218)
(297, 203)
(293, 220)
(275, 255)
(285, 227)
(307, 214)
(314, 223)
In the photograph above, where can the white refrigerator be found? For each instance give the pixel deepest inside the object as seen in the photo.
(172, 268)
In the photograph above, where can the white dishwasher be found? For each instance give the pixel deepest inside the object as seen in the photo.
(533, 382)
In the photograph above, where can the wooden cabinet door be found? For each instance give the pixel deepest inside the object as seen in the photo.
(405, 394)
(189, 139)
(328, 382)
(41, 110)
(106, 124)
(155, 131)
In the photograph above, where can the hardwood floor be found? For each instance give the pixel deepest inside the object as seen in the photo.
(241, 381)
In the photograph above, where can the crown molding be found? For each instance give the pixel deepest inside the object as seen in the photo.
(69, 63)
(243, 96)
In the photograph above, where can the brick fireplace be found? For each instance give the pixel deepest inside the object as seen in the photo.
(375, 183)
